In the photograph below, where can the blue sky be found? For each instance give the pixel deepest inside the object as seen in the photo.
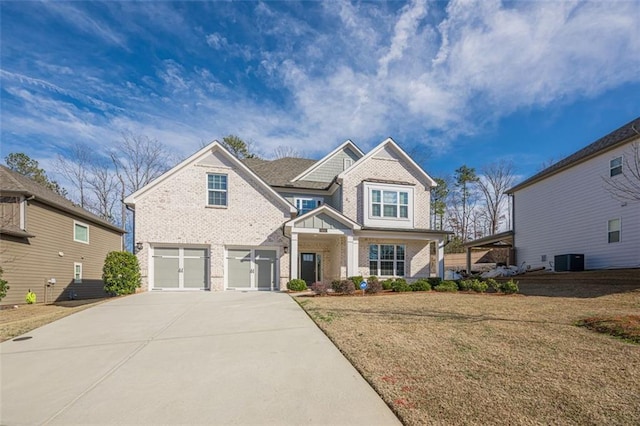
(460, 82)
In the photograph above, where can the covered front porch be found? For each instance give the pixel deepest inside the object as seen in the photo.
(326, 246)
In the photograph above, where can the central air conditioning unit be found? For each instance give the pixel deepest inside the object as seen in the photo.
(568, 262)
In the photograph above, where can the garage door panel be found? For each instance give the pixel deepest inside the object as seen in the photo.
(265, 268)
(166, 272)
(195, 272)
(239, 268)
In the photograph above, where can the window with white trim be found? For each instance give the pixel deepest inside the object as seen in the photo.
(387, 260)
(77, 272)
(346, 163)
(613, 228)
(217, 189)
(10, 211)
(389, 204)
(615, 166)
(305, 205)
(80, 232)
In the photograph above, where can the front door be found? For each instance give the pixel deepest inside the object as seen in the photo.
(308, 268)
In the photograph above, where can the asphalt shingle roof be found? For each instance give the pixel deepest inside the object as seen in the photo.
(13, 182)
(280, 172)
(605, 143)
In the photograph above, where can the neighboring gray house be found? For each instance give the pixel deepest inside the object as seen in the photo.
(569, 209)
(215, 222)
(49, 245)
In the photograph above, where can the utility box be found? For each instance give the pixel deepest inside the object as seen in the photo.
(568, 262)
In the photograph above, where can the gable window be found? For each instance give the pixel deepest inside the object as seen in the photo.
(386, 260)
(77, 272)
(305, 205)
(389, 204)
(216, 189)
(346, 163)
(614, 230)
(615, 166)
(80, 232)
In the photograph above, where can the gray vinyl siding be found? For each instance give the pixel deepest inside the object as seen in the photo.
(568, 213)
(332, 167)
(29, 264)
(321, 221)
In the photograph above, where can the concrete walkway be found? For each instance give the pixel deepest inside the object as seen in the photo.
(185, 358)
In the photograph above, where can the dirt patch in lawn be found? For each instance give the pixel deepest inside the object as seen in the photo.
(626, 327)
(439, 358)
(24, 318)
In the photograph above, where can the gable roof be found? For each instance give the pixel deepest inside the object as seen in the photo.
(346, 144)
(281, 172)
(213, 147)
(329, 211)
(393, 145)
(12, 182)
(606, 143)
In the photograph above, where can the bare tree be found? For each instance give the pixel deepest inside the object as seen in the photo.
(283, 151)
(626, 185)
(75, 168)
(138, 160)
(496, 179)
(103, 186)
(464, 199)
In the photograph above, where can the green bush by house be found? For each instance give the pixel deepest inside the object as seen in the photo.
(297, 284)
(3, 286)
(121, 273)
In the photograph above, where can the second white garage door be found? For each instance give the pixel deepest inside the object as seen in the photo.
(251, 269)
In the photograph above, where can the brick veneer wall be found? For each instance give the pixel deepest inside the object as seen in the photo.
(175, 212)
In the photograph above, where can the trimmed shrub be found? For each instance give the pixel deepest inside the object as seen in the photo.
(335, 285)
(297, 284)
(465, 285)
(387, 284)
(493, 284)
(420, 285)
(373, 285)
(345, 287)
(434, 281)
(509, 287)
(357, 280)
(3, 286)
(319, 288)
(400, 285)
(479, 286)
(121, 273)
(451, 286)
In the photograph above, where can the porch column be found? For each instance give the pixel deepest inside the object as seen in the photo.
(293, 259)
(440, 262)
(354, 258)
(350, 270)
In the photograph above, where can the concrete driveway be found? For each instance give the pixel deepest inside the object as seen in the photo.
(185, 358)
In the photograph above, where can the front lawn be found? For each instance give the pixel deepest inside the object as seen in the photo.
(463, 359)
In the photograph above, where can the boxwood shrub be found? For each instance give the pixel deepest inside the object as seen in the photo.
(450, 286)
(400, 285)
(387, 284)
(420, 285)
(297, 284)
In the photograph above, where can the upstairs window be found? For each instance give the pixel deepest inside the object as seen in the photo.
(614, 230)
(305, 205)
(80, 232)
(386, 260)
(346, 163)
(217, 190)
(389, 204)
(10, 211)
(615, 166)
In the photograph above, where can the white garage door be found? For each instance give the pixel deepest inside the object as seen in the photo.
(180, 268)
(253, 269)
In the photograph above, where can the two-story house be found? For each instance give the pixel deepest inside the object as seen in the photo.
(572, 210)
(49, 245)
(216, 222)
